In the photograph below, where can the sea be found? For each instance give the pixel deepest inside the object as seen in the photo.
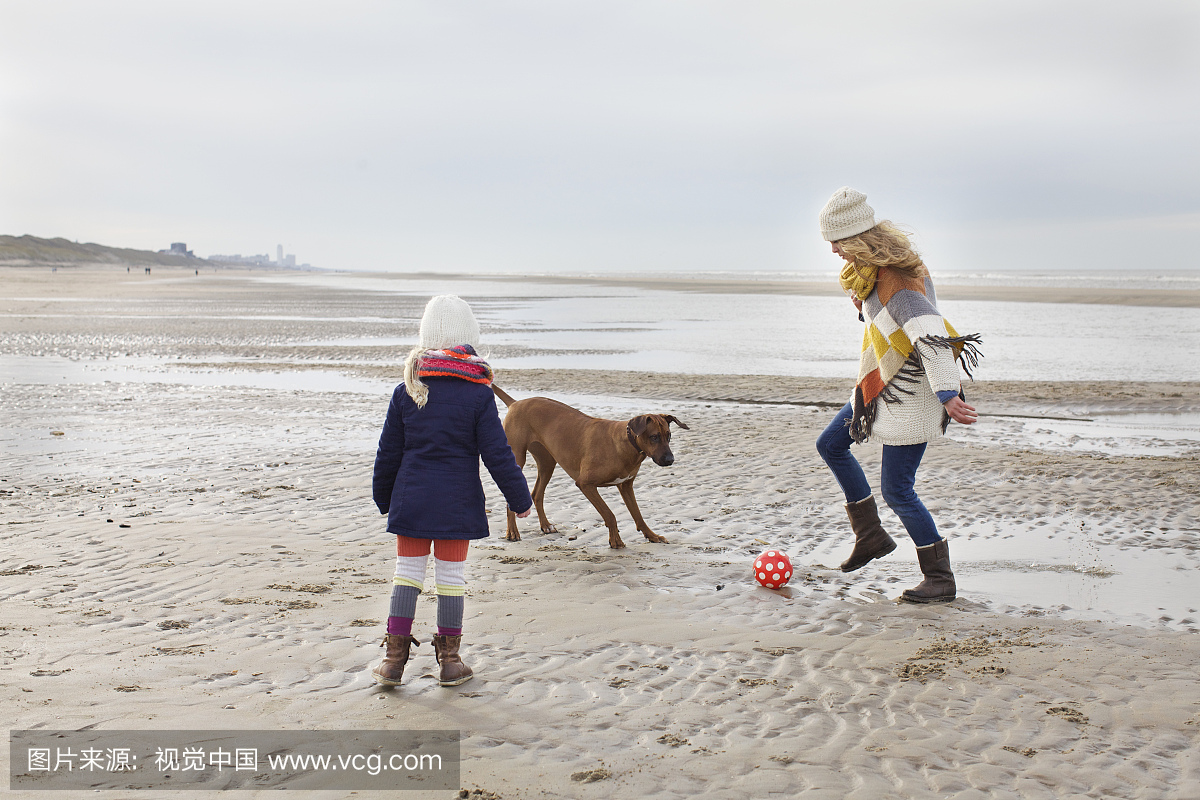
(585, 325)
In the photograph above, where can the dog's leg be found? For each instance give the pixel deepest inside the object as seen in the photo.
(593, 494)
(545, 465)
(635, 512)
(512, 534)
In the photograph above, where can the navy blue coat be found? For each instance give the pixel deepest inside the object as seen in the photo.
(427, 467)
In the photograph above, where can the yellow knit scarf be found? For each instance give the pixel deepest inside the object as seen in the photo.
(858, 280)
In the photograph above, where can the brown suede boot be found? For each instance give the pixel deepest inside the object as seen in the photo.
(938, 586)
(454, 671)
(391, 669)
(870, 539)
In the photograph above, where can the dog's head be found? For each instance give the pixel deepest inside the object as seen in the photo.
(651, 434)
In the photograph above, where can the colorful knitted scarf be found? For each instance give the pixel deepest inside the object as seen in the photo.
(455, 362)
(899, 310)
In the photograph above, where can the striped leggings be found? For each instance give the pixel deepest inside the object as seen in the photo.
(449, 558)
(412, 555)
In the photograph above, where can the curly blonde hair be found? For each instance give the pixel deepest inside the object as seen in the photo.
(885, 245)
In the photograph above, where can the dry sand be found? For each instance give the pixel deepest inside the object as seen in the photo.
(242, 581)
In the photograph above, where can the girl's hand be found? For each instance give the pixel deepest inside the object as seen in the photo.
(523, 514)
(960, 411)
(857, 302)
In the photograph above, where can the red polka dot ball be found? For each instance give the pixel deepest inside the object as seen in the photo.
(773, 569)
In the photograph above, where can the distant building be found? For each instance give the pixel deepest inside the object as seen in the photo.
(255, 261)
(282, 260)
(178, 249)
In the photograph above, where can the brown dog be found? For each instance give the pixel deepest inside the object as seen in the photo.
(594, 452)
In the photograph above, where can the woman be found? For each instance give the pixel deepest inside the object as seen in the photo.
(908, 388)
(441, 420)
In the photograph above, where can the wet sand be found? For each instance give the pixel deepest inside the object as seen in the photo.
(243, 579)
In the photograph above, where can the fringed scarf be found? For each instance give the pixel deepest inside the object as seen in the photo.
(899, 309)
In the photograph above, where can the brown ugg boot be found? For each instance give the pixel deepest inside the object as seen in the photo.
(391, 669)
(870, 539)
(938, 586)
(454, 671)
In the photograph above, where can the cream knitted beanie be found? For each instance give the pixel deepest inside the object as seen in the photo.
(448, 322)
(846, 214)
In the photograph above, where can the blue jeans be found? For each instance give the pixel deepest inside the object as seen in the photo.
(899, 474)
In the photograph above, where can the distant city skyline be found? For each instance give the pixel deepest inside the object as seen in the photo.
(617, 137)
(281, 259)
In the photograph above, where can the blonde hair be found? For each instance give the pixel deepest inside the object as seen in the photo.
(413, 384)
(885, 245)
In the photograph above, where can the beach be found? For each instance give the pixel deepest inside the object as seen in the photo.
(190, 542)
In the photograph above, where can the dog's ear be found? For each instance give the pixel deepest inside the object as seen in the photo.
(671, 418)
(638, 425)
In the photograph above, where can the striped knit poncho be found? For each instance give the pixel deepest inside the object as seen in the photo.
(900, 310)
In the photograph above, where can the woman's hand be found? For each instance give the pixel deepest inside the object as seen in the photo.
(960, 411)
(857, 302)
(523, 514)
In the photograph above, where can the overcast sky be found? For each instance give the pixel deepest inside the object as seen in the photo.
(570, 135)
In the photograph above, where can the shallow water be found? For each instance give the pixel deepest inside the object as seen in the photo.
(55, 370)
(1070, 572)
(1137, 434)
(694, 332)
(1019, 568)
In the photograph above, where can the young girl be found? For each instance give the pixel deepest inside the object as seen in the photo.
(907, 392)
(441, 420)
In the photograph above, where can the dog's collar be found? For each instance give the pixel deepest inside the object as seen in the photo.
(633, 441)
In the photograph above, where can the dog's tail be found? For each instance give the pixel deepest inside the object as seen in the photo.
(503, 395)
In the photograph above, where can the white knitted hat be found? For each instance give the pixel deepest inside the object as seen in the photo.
(448, 322)
(846, 214)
